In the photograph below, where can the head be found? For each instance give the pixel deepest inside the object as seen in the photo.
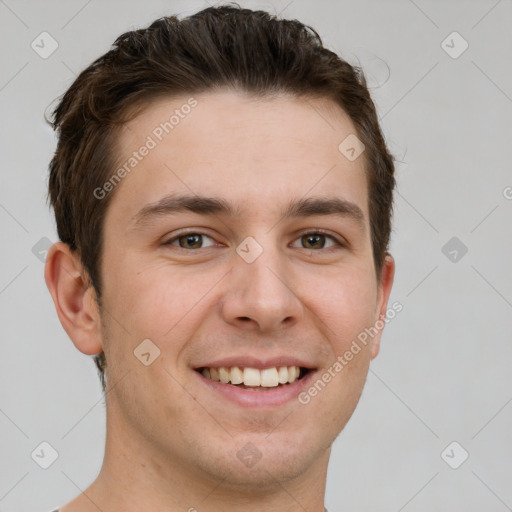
(242, 117)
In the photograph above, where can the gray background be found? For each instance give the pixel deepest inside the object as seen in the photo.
(444, 371)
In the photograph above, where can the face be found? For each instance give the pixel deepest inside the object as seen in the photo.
(240, 240)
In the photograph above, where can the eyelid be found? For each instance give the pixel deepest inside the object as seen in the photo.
(181, 234)
(339, 241)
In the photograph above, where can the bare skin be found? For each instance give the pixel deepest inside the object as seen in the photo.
(173, 442)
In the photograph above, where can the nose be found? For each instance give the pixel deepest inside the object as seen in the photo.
(261, 295)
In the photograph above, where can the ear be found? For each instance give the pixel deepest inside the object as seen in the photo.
(74, 298)
(384, 289)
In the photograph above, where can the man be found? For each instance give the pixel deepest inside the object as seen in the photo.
(223, 196)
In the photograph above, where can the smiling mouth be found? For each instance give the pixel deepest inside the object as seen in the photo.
(254, 378)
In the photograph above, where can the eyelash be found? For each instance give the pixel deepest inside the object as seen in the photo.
(338, 243)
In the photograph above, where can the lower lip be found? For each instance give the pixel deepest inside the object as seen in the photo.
(268, 398)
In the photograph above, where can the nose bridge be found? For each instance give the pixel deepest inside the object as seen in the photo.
(264, 276)
(259, 289)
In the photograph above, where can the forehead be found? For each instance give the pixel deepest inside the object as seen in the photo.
(255, 152)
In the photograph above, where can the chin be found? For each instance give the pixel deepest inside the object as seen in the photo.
(261, 462)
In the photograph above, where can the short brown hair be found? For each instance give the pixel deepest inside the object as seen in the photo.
(218, 47)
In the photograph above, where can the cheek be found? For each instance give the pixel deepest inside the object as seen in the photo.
(345, 309)
(345, 302)
(147, 305)
(158, 301)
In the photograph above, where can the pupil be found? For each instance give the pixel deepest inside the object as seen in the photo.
(314, 238)
(191, 241)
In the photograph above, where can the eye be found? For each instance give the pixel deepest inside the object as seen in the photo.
(190, 241)
(317, 240)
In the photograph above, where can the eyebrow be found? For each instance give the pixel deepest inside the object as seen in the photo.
(203, 205)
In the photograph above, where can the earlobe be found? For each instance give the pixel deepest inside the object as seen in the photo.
(74, 298)
(384, 291)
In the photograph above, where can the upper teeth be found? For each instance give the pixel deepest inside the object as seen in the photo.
(268, 377)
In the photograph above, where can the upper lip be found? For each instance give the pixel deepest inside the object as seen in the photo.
(256, 362)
